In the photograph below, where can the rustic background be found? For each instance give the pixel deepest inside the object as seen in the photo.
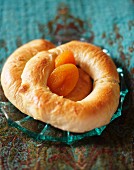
(109, 24)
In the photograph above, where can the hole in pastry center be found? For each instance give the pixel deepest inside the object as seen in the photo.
(83, 87)
(68, 79)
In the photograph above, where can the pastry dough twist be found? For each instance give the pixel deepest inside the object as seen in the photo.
(24, 80)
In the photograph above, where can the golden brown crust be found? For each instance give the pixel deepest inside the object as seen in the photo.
(24, 82)
(13, 68)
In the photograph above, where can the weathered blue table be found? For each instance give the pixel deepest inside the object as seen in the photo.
(109, 24)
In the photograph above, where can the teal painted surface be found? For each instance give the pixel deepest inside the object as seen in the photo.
(19, 22)
(108, 23)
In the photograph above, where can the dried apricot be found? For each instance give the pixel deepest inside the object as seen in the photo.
(83, 87)
(64, 58)
(63, 79)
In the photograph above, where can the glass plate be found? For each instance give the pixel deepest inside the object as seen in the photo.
(45, 132)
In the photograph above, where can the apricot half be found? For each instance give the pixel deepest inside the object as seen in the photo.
(63, 79)
(65, 58)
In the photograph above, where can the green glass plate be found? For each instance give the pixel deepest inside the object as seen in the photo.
(41, 131)
(45, 132)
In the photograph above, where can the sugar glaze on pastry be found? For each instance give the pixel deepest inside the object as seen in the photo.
(24, 81)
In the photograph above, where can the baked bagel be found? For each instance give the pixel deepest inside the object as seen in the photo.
(24, 81)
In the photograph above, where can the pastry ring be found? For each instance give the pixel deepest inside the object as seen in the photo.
(24, 81)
